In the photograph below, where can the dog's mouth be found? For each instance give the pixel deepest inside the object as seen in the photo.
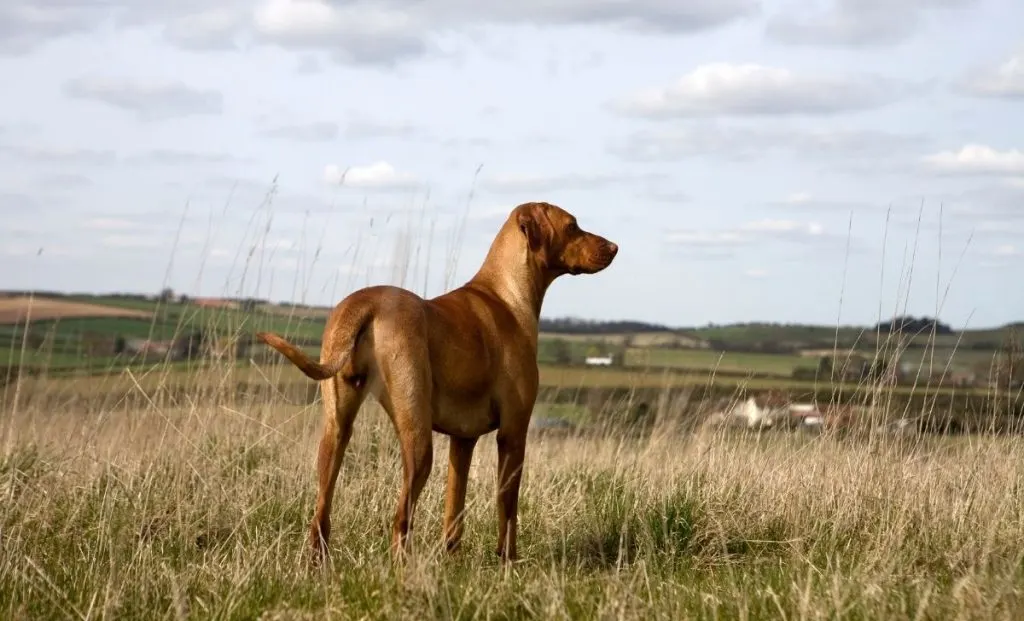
(603, 259)
(597, 266)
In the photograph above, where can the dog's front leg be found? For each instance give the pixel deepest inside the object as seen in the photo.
(511, 453)
(460, 456)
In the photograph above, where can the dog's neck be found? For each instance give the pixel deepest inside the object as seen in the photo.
(511, 275)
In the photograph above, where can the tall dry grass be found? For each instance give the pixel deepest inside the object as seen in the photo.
(199, 509)
(202, 513)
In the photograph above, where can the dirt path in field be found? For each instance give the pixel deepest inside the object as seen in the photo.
(15, 310)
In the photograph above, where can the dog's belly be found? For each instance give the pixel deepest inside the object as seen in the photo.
(465, 418)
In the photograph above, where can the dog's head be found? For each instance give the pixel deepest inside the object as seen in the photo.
(558, 244)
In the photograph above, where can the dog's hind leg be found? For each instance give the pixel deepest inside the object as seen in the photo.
(341, 402)
(410, 414)
(404, 368)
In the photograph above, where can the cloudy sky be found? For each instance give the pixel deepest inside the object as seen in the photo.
(793, 160)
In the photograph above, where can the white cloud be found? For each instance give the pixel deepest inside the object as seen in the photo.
(806, 201)
(20, 249)
(667, 195)
(490, 214)
(755, 272)
(377, 176)
(976, 159)
(129, 241)
(310, 19)
(59, 155)
(16, 203)
(284, 263)
(359, 33)
(1006, 250)
(515, 183)
(993, 207)
(856, 23)
(798, 198)
(283, 244)
(707, 238)
(177, 157)
(362, 128)
(745, 142)
(110, 224)
(63, 181)
(1003, 255)
(149, 100)
(24, 24)
(1006, 80)
(210, 29)
(364, 268)
(747, 233)
(313, 131)
(751, 89)
(783, 227)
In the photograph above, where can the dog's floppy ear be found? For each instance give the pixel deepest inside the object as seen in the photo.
(530, 227)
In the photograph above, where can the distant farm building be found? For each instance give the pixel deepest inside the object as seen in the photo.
(599, 361)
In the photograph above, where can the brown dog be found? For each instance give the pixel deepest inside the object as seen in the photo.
(462, 364)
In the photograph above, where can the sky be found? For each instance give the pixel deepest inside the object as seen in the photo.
(793, 161)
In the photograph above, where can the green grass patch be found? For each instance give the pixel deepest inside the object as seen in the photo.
(728, 362)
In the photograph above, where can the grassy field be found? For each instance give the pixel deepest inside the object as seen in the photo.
(845, 336)
(735, 362)
(164, 491)
(66, 337)
(201, 513)
(21, 308)
(181, 380)
(80, 342)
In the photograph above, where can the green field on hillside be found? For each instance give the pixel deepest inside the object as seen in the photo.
(729, 362)
(85, 344)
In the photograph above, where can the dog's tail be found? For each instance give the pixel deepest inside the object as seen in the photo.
(342, 345)
(312, 368)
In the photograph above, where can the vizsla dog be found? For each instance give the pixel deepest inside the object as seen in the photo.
(463, 364)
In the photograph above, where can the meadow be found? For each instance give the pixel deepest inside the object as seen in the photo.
(159, 489)
(200, 511)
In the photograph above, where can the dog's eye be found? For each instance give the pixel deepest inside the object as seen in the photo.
(573, 227)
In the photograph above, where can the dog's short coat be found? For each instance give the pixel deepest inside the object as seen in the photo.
(463, 364)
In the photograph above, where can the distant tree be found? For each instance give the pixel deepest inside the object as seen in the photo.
(910, 326)
(572, 325)
(166, 294)
(879, 367)
(1010, 369)
(561, 351)
(825, 365)
(190, 345)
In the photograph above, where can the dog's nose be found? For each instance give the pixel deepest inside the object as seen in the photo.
(613, 248)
